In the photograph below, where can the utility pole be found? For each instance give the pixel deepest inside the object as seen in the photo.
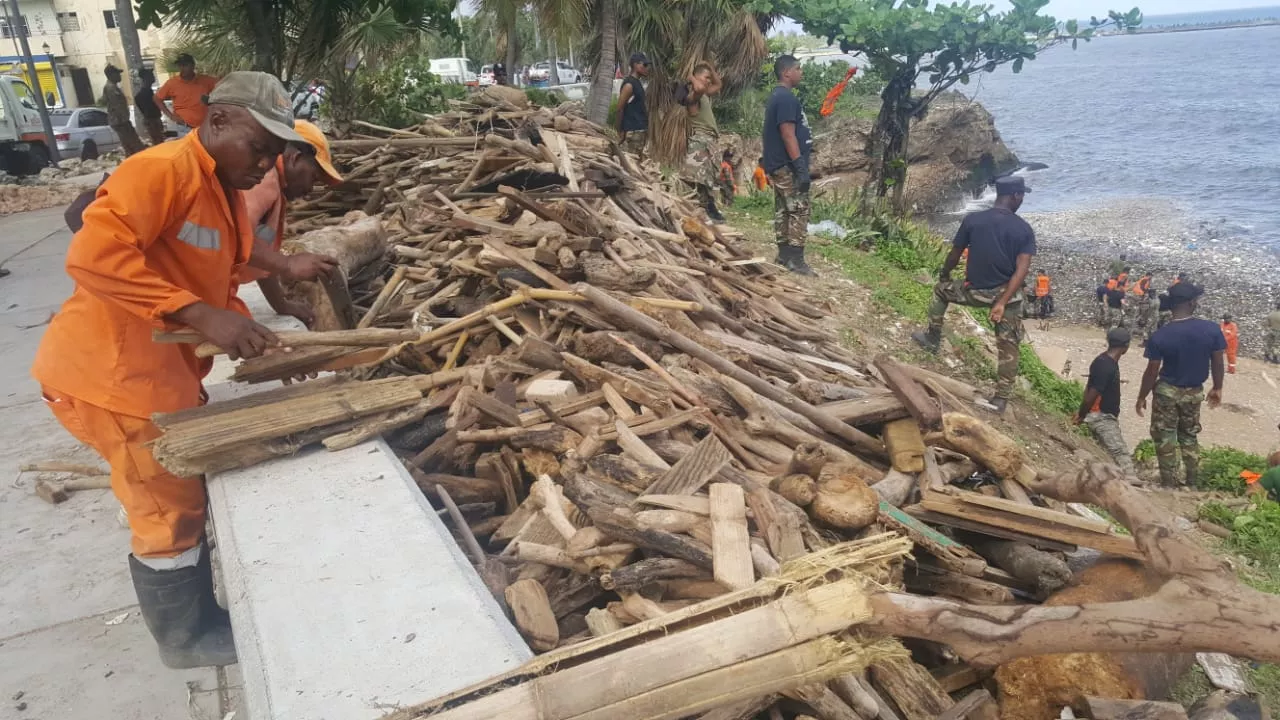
(20, 29)
(129, 42)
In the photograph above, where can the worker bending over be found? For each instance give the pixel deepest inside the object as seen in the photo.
(159, 248)
(1001, 246)
(1181, 356)
(299, 168)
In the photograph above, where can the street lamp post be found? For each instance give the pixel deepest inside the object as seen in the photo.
(21, 31)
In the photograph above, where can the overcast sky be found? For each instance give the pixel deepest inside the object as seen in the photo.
(1065, 9)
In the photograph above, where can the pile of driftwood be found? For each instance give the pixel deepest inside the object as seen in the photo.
(689, 495)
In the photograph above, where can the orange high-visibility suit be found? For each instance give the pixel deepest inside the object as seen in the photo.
(1042, 286)
(761, 179)
(160, 236)
(188, 97)
(1231, 332)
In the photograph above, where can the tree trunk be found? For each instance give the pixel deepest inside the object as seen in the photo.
(554, 76)
(129, 42)
(887, 143)
(602, 80)
(512, 43)
(262, 18)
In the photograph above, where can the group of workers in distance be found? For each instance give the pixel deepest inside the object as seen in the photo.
(164, 243)
(186, 91)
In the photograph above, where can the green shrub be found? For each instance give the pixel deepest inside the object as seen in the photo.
(544, 97)
(1050, 389)
(1145, 451)
(1255, 531)
(1220, 468)
(394, 94)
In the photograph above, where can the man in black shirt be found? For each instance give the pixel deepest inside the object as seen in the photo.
(145, 101)
(787, 143)
(1100, 409)
(633, 114)
(1000, 246)
(1115, 305)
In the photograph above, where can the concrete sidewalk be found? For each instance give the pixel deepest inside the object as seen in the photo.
(66, 643)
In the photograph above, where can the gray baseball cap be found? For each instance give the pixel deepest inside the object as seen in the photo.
(263, 96)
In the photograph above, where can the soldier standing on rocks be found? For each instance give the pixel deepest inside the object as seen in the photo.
(1000, 246)
(1181, 356)
(1100, 409)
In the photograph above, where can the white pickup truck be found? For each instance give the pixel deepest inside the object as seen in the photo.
(22, 140)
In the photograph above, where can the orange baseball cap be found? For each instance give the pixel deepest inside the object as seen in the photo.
(317, 140)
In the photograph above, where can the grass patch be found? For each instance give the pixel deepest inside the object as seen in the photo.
(1048, 389)
(1220, 466)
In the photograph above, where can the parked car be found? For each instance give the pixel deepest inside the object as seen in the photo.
(455, 70)
(486, 75)
(541, 72)
(82, 131)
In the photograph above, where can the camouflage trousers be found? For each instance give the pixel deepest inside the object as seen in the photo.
(1273, 344)
(1175, 427)
(701, 166)
(1145, 316)
(1115, 317)
(1106, 428)
(1008, 330)
(790, 209)
(635, 142)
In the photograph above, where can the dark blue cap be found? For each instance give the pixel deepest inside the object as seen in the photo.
(1011, 185)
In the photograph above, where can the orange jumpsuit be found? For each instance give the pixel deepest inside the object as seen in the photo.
(160, 236)
(761, 178)
(1231, 332)
(264, 206)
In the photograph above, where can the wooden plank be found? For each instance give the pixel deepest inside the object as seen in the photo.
(688, 503)
(870, 410)
(911, 688)
(978, 526)
(971, 702)
(1113, 709)
(632, 445)
(730, 544)
(1027, 528)
(1035, 511)
(958, 676)
(532, 611)
(551, 279)
(912, 394)
(694, 470)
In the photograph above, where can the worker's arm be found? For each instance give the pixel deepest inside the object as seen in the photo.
(624, 95)
(1216, 366)
(164, 93)
(789, 141)
(953, 259)
(1149, 378)
(1091, 396)
(1019, 277)
(302, 266)
(108, 259)
(799, 163)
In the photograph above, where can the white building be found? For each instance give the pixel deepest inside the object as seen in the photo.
(72, 41)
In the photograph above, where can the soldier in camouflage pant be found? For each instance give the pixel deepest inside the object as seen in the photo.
(1008, 331)
(790, 209)
(1175, 427)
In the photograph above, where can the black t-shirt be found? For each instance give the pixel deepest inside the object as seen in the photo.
(1185, 350)
(1104, 376)
(995, 238)
(145, 99)
(784, 107)
(1115, 298)
(635, 116)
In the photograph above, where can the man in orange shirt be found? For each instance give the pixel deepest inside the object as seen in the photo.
(1231, 332)
(299, 168)
(187, 91)
(160, 247)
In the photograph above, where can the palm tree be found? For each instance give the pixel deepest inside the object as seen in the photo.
(602, 81)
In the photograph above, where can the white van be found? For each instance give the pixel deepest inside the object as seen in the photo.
(460, 71)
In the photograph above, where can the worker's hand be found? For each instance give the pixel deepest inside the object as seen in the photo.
(997, 312)
(1141, 407)
(237, 335)
(800, 172)
(307, 266)
(302, 311)
(1215, 397)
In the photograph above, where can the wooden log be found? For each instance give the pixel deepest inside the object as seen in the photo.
(1045, 572)
(807, 459)
(730, 546)
(922, 407)
(895, 488)
(694, 470)
(968, 705)
(844, 500)
(1113, 709)
(741, 710)
(852, 689)
(905, 445)
(532, 611)
(621, 524)
(871, 410)
(984, 444)
(633, 577)
(602, 622)
(799, 489)
(65, 467)
(630, 318)
(958, 586)
(910, 687)
(824, 703)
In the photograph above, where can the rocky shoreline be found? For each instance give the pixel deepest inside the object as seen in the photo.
(1077, 247)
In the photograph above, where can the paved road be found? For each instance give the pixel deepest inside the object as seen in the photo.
(65, 577)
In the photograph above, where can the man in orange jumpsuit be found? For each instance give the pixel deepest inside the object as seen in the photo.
(1231, 332)
(159, 248)
(299, 168)
(187, 91)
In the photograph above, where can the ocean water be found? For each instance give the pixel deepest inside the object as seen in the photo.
(1190, 118)
(1212, 16)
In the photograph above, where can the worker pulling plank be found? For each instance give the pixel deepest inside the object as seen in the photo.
(160, 246)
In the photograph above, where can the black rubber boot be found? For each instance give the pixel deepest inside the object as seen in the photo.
(930, 340)
(183, 616)
(713, 212)
(793, 260)
(999, 404)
